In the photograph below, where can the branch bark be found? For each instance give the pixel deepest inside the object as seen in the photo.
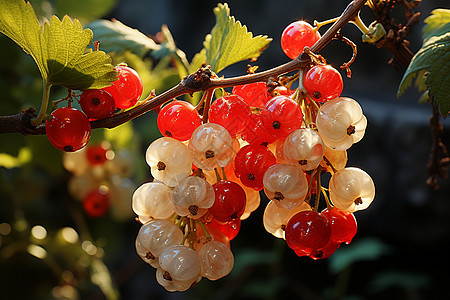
(194, 83)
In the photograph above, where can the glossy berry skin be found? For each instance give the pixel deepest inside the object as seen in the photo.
(229, 203)
(323, 83)
(296, 36)
(281, 116)
(343, 225)
(231, 112)
(256, 133)
(230, 228)
(250, 164)
(96, 202)
(178, 120)
(307, 231)
(254, 94)
(69, 129)
(127, 89)
(97, 103)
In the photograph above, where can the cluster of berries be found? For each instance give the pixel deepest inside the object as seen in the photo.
(208, 173)
(101, 180)
(69, 129)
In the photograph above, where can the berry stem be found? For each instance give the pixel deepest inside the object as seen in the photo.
(207, 98)
(217, 175)
(318, 189)
(360, 24)
(44, 105)
(202, 225)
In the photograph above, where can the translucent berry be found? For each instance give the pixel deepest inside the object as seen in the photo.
(169, 160)
(286, 185)
(127, 89)
(68, 129)
(341, 123)
(152, 200)
(323, 83)
(254, 94)
(335, 158)
(178, 119)
(304, 149)
(256, 132)
(351, 189)
(251, 162)
(307, 231)
(230, 228)
(281, 116)
(296, 36)
(230, 201)
(76, 162)
(252, 203)
(179, 267)
(97, 154)
(154, 237)
(201, 238)
(211, 146)
(192, 197)
(275, 218)
(97, 103)
(231, 112)
(217, 260)
(96, 202)
(343, 225)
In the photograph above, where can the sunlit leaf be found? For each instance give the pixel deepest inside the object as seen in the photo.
(229, 41)
(58, 47)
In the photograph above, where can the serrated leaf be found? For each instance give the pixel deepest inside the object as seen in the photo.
(439, 20)
(229, 41)
(114, 36)
(58, 47)
(434, 59)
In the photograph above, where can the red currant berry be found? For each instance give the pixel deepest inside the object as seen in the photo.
(230, 229)
(281, 116)
(231, 112)
(307, 231)
(296, 36)
(178, 120)
(282, 90)
(250, 164)
(96, 202)
(229, 203)
(69, 129)
(343, 225)
(326, 251)
(97, 104)
(323, 83)
(96, 155)
(127, 89)
(256, 133)
(254, 94)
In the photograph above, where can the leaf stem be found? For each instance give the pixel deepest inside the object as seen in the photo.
(44, 105)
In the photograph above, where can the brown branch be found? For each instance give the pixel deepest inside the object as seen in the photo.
(198, 81)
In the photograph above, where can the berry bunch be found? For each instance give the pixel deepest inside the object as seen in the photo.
(69, 129)
(208, 173)
(100, 180)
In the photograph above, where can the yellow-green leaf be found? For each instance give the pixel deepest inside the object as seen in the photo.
(229, 41)
(58, 47)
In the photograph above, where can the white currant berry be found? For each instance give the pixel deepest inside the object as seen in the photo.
(217, 260)
(122, 164)
(192, 197)
(337, 159)
(169, 160)
(285, 184)
(154, 237)
(153, 200)
(341, 123)
(351, 189)
(121, 191)
(303, 148)
(275, 218)
(211, 146)
(76, 162)
(252, 203)
(179, 267)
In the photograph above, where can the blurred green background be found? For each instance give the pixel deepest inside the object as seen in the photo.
(49, 249)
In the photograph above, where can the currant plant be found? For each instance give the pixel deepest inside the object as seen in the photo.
(279, 131)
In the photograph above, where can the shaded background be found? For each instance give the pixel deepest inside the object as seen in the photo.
(399, 252)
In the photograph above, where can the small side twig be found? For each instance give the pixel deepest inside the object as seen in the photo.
(346, 66)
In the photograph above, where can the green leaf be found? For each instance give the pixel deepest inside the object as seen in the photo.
(58, 47)
(114, 36)
(434, 58)
(364, 249)
(229, 41)
(437, 23)
(84, 10)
